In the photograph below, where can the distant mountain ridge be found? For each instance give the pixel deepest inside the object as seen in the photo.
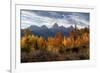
(45, 31)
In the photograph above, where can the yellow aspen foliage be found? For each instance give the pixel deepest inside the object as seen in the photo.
(25, 44)
(42, 43)
(51, 41)
(78, 41)
(24, 41)
(52, 45)
(85, 38)
(70, 42)
(33, 42)
(65, 41)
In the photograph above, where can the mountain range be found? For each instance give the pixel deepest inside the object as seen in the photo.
(45, 31)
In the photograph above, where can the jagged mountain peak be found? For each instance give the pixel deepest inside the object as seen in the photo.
(44, 27)
(55, 25)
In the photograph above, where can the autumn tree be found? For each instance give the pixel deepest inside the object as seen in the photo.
(78, 41)
(51, 41)
(25, 44)
(27, 32)
(58, 39)
(42, 43)
(85, 38)
(33, 42)
(29, 42)
(52, 45)
(65, 41)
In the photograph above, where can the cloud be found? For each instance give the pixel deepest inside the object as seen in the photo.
(80, 21)
(30, 18)
(48, 18)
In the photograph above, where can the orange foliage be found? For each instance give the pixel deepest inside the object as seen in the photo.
(85, 38)
(42, 42)
(76, 39)
(58, 39)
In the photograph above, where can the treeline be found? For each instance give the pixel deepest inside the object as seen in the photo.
(63, 46)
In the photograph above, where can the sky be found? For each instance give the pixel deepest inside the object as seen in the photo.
(48, 18)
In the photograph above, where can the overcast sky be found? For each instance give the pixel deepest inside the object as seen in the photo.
(48, 18)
